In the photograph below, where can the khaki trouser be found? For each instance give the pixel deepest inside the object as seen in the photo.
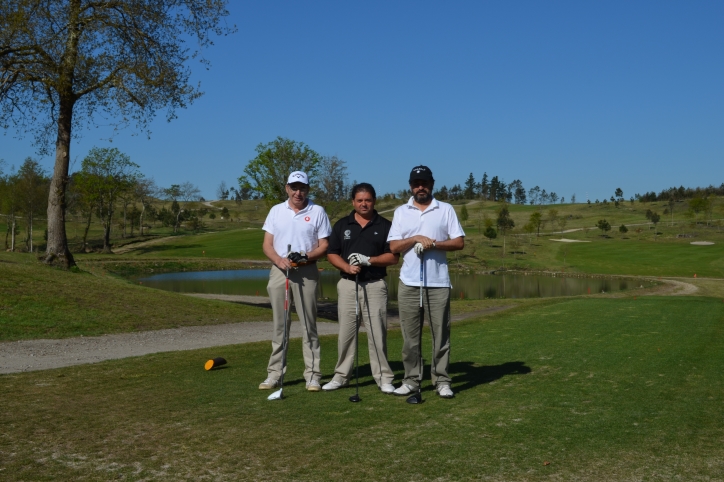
(373, 306)
(303, 289)
(436, 302)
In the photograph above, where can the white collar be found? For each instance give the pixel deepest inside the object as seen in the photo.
(433, 205)
(304, 209)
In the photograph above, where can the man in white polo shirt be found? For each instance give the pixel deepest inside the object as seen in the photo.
(423, 230)
(301, 224)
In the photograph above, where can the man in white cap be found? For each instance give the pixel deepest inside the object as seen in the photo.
(303, 225)
(423, 230)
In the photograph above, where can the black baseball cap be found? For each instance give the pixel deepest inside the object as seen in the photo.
(421, 173)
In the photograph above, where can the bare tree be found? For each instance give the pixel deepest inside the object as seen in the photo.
(145, 190)
(222, 192)
(64, 62)
(331, 189)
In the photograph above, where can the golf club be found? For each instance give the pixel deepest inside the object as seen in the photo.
(355, 398)
(417, 398)
(279, 394)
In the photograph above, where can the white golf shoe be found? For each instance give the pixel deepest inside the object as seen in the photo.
(269, 384)
(313, 386)
(333, 385)
(445, 391)
(405, 389)
(387, 388)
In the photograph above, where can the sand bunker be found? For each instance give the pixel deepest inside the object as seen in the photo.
(702, 243)
(566, 240)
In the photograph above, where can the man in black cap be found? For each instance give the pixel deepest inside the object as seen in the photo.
(423, 230)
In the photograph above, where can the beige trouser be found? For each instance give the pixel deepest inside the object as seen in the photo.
(373, 308)
(436, 302)
(303, 289)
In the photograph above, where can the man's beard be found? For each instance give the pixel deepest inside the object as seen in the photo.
(422, 197)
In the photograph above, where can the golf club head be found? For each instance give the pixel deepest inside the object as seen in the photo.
(355, 399)
(278, 395)
(415, 399)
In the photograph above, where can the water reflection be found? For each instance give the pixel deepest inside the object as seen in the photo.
(471, 286)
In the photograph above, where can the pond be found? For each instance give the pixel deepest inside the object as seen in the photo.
(253, 282)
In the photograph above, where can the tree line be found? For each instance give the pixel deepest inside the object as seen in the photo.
(108, 187)
(492, 189)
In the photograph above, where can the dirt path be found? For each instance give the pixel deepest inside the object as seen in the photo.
(31, 355)
(130, 247)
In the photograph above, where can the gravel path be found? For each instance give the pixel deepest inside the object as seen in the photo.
(30, 355)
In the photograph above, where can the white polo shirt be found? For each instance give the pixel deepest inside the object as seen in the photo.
(301, 230)
(438, 222)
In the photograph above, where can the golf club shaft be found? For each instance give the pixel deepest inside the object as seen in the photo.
(422, 319)
(356, 335)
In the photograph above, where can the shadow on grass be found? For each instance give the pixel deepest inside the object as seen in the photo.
(465, 375)
(471, 374)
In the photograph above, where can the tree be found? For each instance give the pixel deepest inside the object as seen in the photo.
(504, 222)
(469, 191)
(464, 214)
(562, 221)
(222, 192)
(699, 204)
(187, 193)
(106, 173)
(573, 198)
(63, 62)
(494, 188)
(485, 187)
(604, 226)
(330, 186)
(490, 233)
(536, 219)
(268, 172)
(529, 228)
(619, 194)
(552, 216)
(655, 218)
(145, 190)
(32, 193)
(518, 191)
(623, 229)
(534, 195)
(553, 197)
(10, 204)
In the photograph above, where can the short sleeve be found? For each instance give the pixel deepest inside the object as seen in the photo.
(335, 246)
(325, 228)
(395, 233)
(269, 221)
(454, 229)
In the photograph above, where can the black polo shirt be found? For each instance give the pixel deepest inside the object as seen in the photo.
(349, 237)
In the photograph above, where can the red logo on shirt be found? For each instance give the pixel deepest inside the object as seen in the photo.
(307, 218)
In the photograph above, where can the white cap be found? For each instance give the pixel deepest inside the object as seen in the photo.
(298, 176)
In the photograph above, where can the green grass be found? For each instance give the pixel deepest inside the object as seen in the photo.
(601, 389)
(42, 302)
(650, 258)
(234, 244)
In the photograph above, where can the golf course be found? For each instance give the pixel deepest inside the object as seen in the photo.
(614, 386)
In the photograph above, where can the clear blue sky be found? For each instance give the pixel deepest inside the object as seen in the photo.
(576, 97)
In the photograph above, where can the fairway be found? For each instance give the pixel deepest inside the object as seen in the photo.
(582, 389)
(236, 244)
(645, 258)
